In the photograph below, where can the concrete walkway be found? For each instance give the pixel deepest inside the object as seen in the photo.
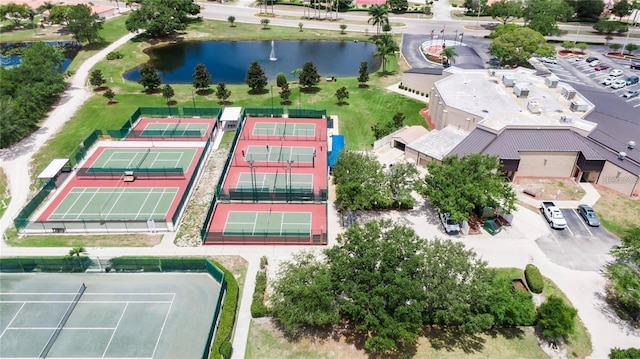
(591, 197)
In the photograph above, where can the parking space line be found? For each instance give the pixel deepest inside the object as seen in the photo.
(569, 229)
(581, 221)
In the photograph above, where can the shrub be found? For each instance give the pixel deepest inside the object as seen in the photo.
(258, 308)
(556, 319)
(534, 278)
(264, 262)
(508, 306)
(226, 349)
(114, 55)
(631, 353)
(228, 314)
(281, 79)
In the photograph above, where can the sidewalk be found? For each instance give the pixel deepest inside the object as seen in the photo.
(590, 198)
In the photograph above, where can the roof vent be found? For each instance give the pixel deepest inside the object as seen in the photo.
(521, 90)
(534, 107)
(508, 81)
(565, 119)
(578, 106)
(622, 155)
(492, 72)
(551, 81)
(568, 93)
(631, 145)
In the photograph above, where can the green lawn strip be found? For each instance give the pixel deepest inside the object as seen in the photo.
(579, 343)
(614, 226)
(111, 240)
(112, 30)
(5, 196)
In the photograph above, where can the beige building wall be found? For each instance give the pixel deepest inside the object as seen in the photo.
(547, 164)
(419, 158)
(618, 179)
(443, 115)
(420, 82)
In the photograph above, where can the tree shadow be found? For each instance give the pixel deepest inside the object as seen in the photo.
(204, 92)
(152, 91)
(319, 333)
(343, 103)
(506, 332)
(449, 339)
(258, 91)
(310, 90)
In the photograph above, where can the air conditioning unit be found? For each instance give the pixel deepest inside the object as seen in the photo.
(521, 90)
(551, 81)
(631, 145)
(622, 155)
(565, 119)
(534, 107)
(508, 81)
(568, 93)
(578, 106)
(492, 72)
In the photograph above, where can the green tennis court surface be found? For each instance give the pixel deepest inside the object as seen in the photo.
(275, 181)
(174, 130)
(105, 204)
(126, 158)
(267, 223)
(282, 129)
(280, 154)
(118, 316)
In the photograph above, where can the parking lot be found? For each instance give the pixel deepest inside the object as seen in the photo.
(580, 72)
(579, 246)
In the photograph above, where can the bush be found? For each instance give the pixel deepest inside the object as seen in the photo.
(114, 55)
(264, 262)
(534, 279)
(281, 79)
(226, 349)
(508, 306)
(631, 353)
(556, 319)
(258, 308)
(228, 314)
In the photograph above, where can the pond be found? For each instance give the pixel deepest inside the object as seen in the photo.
(228, 61)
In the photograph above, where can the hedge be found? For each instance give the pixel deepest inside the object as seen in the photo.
(534, 278)
(258, 309)
(228, 315)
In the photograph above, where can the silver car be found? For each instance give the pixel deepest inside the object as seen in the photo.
(450, 226)
(589, 215)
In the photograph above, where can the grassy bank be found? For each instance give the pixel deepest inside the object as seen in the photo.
(5, 197)
(107, 240)
(617, 213)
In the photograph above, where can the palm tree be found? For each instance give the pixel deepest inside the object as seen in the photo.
(448, 54)
(77, 251)
(379, 15)
(385, 46)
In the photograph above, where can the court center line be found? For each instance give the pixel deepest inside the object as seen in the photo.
(164, 190)
(65, 328)
(12, 319)
(72, 204)
(133, 159)
(115, 330)
(86, 204)
(162, 328)
(88, 302)
(143, 203)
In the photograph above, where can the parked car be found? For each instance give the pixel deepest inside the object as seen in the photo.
(590, 59)
(594, 63)
(632, 80)
(618, 84)
(553, 215)
(635, 65)
(608, 81)
(579, 58)
(549, 60)
(450, 226)
(589, 215)
(631, 93)
(601, 67)
(615, 73)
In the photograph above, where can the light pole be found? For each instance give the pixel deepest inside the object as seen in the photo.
(626, 42)
(289, 163)
(299, 97)
(479, 11)
(253, 178)
(455, 37)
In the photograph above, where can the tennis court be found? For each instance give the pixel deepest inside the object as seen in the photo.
(174, 130)
(267, 223)
(116, 316)
(280, 154)
(119, 203)
(284, 129)
(275, 181)
(145, 158)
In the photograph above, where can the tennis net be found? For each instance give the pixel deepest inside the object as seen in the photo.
(63, 321)
(144, 157)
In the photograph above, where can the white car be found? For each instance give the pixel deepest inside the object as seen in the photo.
(594, 63)
(618, 84)
(615, 73)
(608, 81)
(548, 60)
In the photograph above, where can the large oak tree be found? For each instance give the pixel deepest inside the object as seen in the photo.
(161, 17)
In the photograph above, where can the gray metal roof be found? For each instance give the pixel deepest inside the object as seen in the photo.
(512, 141)
(612, 156)
(475, 142)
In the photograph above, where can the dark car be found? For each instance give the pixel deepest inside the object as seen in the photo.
(589, 215)
(591, 59)
(602, 67)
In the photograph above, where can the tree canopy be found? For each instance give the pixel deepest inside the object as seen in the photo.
(623, 288)
(256, 78)
(385, 47)
(505, 10)
(309, 76)
(161, 17)
(513, 44)
(201, 77)
(388, 283)
(461, 186)
(84, 24)
(149, 78)
(587, 9)
(27, 91)
(15, 13)
(378, 16)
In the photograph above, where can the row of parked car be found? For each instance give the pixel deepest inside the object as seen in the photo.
(555, 217)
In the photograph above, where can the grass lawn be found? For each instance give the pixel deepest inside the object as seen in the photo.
(5, 198)
(617, 213)
(112, 30)
(110, 240)
(364, 108)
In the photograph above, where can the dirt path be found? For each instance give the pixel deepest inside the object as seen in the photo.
(16, 159)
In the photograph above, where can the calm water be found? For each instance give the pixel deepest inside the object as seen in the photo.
(228, 61)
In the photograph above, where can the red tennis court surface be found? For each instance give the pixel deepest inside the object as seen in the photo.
(88, 184)
(172, 129)
(222, 229)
